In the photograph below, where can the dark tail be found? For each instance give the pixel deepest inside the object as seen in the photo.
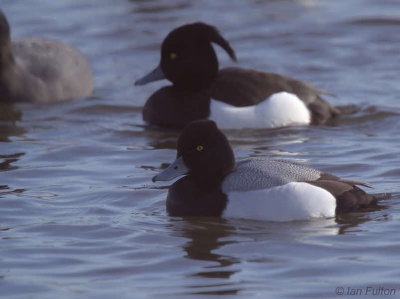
(358, 199)
(381, 196)
(347, 109)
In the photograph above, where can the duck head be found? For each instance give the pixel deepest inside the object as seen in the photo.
(188, 59)
(203, 153)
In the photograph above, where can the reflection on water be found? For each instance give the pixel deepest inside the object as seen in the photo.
(9, 112)
(9, 116)
(225, 246)
(375, 21)
(205, 236)
(161, 138)
(7, 160)
(350, 222)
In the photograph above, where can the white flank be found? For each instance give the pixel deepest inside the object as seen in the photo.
(293, 201)
(279, 110)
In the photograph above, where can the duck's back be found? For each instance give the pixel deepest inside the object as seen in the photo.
(50, 70)
(261, 173)
(245, 87)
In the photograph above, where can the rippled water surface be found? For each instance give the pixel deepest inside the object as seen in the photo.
(80, 217)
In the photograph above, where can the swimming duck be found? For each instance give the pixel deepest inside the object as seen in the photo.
(233, 97)
(40, 70)
(253, 188)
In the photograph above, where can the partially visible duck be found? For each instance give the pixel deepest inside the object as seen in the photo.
(40, 70)
(254, 188)
(233, 97)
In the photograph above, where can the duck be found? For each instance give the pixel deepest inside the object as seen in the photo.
(213, 184)
(235, 98)
(34, 69)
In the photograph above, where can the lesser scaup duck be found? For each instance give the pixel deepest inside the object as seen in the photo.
(253, 188)
(40, 70)
(233, 97)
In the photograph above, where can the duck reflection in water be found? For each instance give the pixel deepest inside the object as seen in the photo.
(205, 236)
(215, 242)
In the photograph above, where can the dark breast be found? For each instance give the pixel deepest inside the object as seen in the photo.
(172, 108)
(185, 198)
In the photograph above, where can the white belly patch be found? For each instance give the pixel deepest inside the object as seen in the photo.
(293, 201)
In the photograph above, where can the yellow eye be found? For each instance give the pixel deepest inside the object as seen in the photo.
(172, 55)
(199, 148)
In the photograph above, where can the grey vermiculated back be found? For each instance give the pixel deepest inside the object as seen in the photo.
(261, 173)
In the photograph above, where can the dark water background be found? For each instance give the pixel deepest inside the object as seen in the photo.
(79, 216)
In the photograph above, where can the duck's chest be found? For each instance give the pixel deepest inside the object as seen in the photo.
(172, 108)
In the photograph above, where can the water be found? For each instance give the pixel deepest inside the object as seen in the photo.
(80, 217)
